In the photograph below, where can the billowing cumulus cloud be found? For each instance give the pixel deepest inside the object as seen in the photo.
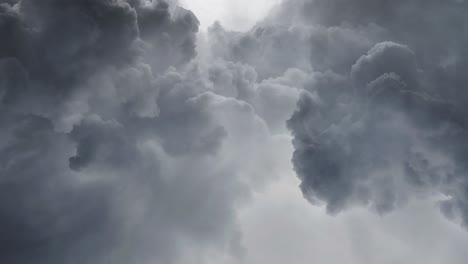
(115, 146)
(380, 126)
(128, 137)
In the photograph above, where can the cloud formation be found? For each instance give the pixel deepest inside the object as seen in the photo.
(115, 145)
(129, 138)
(376, 128)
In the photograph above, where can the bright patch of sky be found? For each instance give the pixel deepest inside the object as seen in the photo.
(235, 15)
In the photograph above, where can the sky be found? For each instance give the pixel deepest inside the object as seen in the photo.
(234, 15)
(293, 131)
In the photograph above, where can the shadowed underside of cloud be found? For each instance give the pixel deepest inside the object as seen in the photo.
(384, 125)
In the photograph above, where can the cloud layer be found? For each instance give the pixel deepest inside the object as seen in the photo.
(380, 126)
(128, 138)
(117, 147)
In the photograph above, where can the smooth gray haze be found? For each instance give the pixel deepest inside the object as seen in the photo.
(331, 131)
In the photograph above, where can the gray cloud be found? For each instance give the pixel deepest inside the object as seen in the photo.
(270, 49)
(379, 128)
(121, 144)
(115, 147)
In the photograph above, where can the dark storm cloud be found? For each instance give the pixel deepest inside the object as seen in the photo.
(120, 145)
(376, 127)
(114, 147)
(171, 37)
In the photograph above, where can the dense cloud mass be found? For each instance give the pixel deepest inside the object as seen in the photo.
(127, 137)
(385, 119)
(115, 146)
(381, 117)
